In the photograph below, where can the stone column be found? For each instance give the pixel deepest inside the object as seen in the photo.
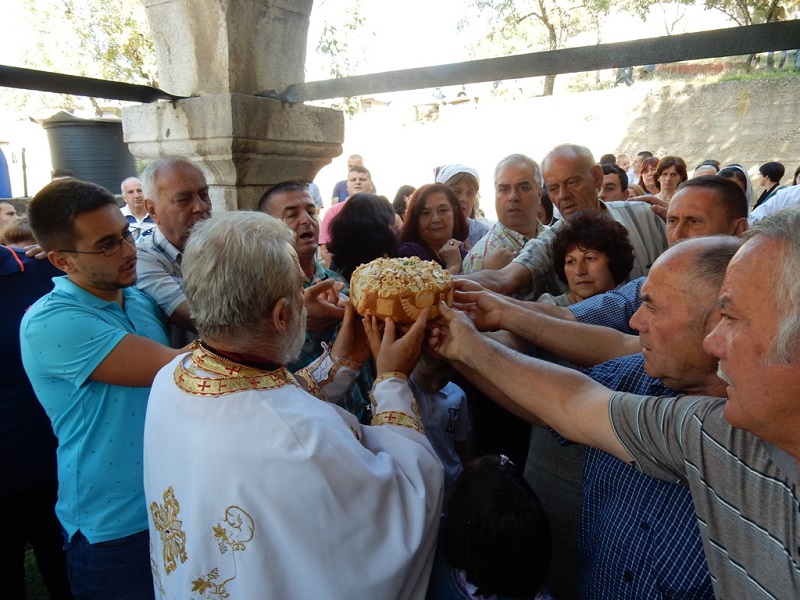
(223, 52)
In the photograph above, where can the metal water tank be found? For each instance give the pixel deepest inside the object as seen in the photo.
(93, 149)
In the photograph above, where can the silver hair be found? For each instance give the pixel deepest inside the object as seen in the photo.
(126, 180)
(154, 169)
(236, 265)
(579, 151)
(520, 159)
(784, 227)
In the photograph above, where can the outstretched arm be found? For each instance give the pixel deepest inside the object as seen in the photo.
(582, 344)
(506, 281)
(134, 362)
(568, 401)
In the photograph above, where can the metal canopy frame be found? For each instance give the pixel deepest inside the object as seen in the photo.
(732, 41)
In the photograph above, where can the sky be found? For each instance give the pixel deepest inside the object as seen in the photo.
(408, 34)
(412, 33)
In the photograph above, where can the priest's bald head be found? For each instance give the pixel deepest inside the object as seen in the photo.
(244, 285)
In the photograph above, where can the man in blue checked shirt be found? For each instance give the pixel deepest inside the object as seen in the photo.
(638, 535)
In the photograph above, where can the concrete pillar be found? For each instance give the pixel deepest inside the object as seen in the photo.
(223, 52)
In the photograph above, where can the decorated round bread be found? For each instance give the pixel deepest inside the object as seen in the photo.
(400, 288)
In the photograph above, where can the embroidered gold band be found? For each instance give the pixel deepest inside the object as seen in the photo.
(397, 418)
(231, 377)
(389, 375)
(311, 386)
(346, 362)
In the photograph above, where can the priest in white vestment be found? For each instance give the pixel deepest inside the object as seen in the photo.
(258, 486)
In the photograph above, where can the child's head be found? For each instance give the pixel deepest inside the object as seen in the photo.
(18, 234)
(497, 531)
(623, 161)
(432, 375)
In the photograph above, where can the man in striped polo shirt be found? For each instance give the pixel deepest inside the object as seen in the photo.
(738, 456)
(572, 179)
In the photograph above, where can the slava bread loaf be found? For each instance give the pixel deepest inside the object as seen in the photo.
(400, 288)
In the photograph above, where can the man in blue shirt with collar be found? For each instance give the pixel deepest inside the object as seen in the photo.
(176, 196)
(638, 535)
(134, 210)
(91, 349)
(737, 455)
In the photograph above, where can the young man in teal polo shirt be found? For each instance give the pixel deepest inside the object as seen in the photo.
(91, 349)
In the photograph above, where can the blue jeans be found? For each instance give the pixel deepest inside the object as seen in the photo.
(114, 570)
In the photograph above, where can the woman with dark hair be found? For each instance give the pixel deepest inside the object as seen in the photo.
(771, 174)
(435, 227)
(670, 172)
(545, 213)
(796, 178)
(495, 540)
(592, 255)
(361, 232)
(741, 177)
(400, 203)
(647, 175)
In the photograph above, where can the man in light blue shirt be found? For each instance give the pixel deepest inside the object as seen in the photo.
(176, 195)
(91, 349)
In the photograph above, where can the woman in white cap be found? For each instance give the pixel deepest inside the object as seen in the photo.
(465, 183)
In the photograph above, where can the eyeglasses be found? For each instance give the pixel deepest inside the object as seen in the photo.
(109, 248)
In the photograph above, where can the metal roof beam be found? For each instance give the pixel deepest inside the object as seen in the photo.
(688, 46)
(59, 83)
(667, 49)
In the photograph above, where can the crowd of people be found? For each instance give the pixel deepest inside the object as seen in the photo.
(608, 410)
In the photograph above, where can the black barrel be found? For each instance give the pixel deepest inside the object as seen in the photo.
(93, 149)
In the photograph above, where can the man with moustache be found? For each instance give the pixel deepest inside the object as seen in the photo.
(737, 456)
(638, 538)
(91, 349)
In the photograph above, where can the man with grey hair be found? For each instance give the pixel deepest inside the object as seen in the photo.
(618, 558)
(517, 193)
(176, 196)
(738, 456)
(304, 497)
(573, 179)
(134, 210)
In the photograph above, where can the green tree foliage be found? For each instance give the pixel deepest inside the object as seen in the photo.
(751, 12)
(519, 26)
(105, 39)
(345, 40)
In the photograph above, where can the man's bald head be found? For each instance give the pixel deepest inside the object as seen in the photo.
(572, 178)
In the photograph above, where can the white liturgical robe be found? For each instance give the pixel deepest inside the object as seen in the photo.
(256, 489)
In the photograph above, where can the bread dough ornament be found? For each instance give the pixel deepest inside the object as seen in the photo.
(400, 288)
